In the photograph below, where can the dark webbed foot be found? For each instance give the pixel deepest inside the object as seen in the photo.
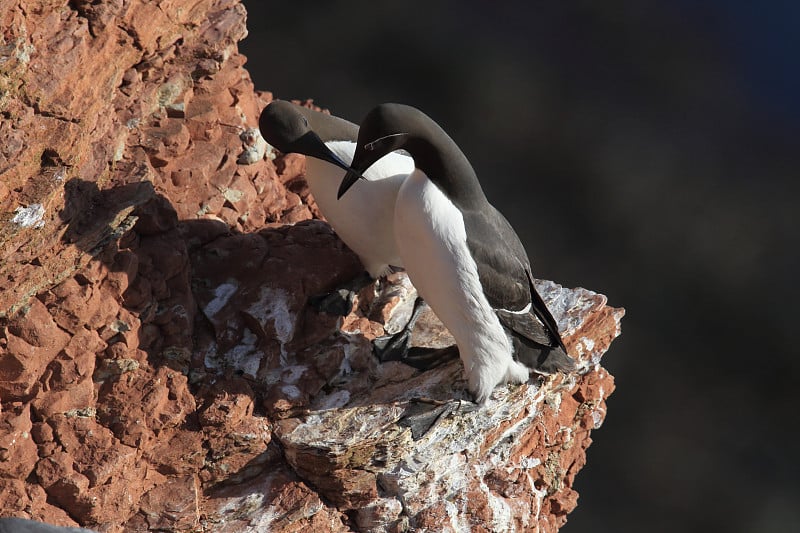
(429, 358)
(398, 347)
(392, 347)
(340, 300)
(424, 413)
(395, 347)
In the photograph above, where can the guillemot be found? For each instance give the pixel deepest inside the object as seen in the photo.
(365, 219)
(461, 253)
(364, 222)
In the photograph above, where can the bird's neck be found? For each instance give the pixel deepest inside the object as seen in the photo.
(449, 169)
(329, 127)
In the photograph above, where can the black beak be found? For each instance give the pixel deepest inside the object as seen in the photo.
(366, 155)
(349, 179)
(311, 145)
(362, 160)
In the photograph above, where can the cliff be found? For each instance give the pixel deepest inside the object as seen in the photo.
(159, 366)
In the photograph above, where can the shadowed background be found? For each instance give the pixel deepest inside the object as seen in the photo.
(645, 150)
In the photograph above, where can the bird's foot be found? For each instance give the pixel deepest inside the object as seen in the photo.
(429, 358)
(424, 413)
(419, 357)
(397, 347)
(338, 302)
(392, 347)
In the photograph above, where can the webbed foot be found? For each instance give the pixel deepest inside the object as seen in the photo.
(340, 300)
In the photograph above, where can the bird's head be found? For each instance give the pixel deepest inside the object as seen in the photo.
(285, 126)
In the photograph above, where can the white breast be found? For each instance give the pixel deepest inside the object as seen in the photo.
(432, 241)
(364, 217)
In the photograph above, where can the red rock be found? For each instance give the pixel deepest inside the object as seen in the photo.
(101, 306)
(174, 505)
(177, 452)
(434, 518)
(77, 396)
(18, 451)
(24, 500)
(240, 452)
(291, 507)
(157, 324)
(138, 406)
(227, 403)
(479, 512)
(33, 339)
(13, 498)
(57, 477)
(67, 302)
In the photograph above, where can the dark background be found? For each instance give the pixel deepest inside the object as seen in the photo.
(646, 150)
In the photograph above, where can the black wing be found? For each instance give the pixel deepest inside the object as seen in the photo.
(505, 275)
(539, 308)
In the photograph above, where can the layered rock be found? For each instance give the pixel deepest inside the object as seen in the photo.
(159, 365)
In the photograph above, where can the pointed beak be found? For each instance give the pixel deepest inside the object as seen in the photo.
(334, 159)
(349, 180)
(311, 145)
(361, 162)
(366, 155)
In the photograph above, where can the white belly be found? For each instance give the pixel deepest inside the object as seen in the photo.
(364, 217)
(432, 241)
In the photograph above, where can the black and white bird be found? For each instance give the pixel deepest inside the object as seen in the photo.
(364, 221)
(461, 254)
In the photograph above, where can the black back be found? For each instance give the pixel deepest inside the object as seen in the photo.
(503, 265)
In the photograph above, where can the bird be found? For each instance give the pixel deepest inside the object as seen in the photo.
(364, 220)
(461, 253)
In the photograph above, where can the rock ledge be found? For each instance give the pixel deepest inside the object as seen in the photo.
(159, 366)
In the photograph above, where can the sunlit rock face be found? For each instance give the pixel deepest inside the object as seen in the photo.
(160, 367)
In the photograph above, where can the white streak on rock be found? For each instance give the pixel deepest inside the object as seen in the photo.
(291, 392)
(502, 519)
(273, 306)
(245, 357)
(335, 401)
(28, 217)
(529, 462)
(210, 359)
(222, 294)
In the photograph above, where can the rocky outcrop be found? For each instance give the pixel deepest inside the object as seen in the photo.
(159, 365)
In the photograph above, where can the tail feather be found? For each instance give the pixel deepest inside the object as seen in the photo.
(542, 359)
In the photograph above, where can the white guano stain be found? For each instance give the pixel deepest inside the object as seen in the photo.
(245, 356)
(291, 392)
(29, 217)
(222, 294)
(273, 306)
(336, 400)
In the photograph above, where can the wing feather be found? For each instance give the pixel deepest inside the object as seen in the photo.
(504, 271)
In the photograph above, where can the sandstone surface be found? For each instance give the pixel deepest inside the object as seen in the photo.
(160, 368)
